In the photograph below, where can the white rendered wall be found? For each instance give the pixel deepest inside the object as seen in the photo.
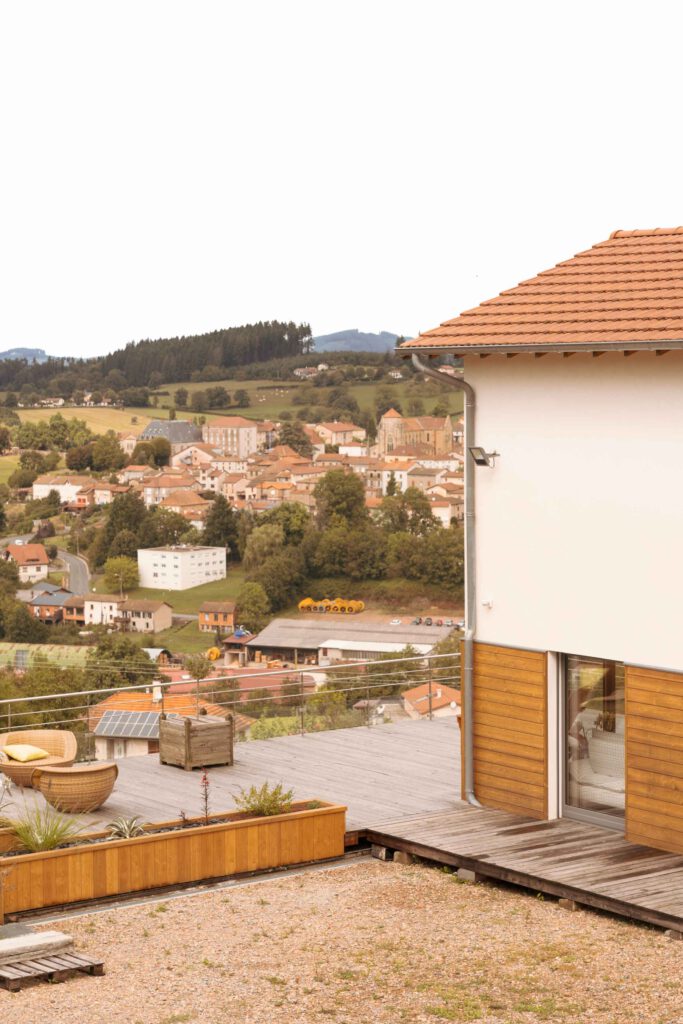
(580, 523)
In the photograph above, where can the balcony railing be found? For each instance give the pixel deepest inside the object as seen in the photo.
(300, 700)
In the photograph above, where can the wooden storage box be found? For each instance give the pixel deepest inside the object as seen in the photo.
(196, 742)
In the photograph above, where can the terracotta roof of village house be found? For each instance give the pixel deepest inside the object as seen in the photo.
(625, 293)
(28, 554)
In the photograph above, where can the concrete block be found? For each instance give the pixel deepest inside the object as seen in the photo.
(671, 933)
(465, 875)
(401, 857)
(26, 946)
(381, 852)
(569, 904)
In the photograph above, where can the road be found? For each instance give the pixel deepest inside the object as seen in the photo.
(79, 573)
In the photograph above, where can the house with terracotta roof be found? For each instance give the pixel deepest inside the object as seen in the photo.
(340, 432)
(216, 616)
(431, 701)
(573, 674)
(142, 616)
(31, 561)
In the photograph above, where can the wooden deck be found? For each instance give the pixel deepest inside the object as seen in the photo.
(380, 773)
(592, 866)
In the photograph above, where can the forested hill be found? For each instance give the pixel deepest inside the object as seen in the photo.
(148, 363)
(176, 358)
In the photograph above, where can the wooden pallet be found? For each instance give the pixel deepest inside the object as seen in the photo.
(53, 968)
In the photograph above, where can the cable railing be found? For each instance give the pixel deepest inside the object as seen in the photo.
(282, 701)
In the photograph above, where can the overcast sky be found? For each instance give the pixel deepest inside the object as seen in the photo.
(170, 168)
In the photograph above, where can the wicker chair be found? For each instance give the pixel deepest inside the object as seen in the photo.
(77, 790)
(59, 743)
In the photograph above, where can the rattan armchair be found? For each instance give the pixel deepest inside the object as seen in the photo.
(59, 743)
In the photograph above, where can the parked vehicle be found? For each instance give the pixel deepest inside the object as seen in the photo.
(417, 621)
(428, 621)
(395, 622)
(439, 622)
(448, 622)
(460, 625)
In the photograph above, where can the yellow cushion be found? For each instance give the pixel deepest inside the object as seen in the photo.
(25, 752)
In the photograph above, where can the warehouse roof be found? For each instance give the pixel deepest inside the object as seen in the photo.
(316, 631)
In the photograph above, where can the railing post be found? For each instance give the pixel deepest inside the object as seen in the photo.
(429, 669)
(302, 708)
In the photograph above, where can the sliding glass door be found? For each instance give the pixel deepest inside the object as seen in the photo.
(594, 787)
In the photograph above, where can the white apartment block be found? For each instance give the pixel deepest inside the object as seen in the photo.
(181, 566)
(232, 435)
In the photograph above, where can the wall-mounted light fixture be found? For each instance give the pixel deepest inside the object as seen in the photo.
(482, 457)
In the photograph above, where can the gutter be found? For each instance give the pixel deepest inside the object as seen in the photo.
(461, 384)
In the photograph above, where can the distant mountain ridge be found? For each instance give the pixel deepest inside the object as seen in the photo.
(355, 341)
(32, 355)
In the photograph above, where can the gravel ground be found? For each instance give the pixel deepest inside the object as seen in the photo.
(372, 942)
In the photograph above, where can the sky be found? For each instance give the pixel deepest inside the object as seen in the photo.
(171, 168)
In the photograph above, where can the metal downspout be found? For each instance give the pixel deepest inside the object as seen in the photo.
(461, 384)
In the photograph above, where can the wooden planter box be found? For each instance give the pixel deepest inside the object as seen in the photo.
(196, 742)
(232, 846)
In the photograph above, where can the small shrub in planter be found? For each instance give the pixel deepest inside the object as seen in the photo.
(126, 828)
(265, 801)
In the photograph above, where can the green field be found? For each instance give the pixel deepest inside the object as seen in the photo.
(99, 420)
(186, 602)
(184, 639)
(8, 463)
(269, 398)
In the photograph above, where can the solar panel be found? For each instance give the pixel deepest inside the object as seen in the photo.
(129, 725)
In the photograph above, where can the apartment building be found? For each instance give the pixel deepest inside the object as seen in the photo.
(180, 566)
(232, 435)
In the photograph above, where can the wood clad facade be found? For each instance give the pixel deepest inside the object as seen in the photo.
(654, 758)
(510, 727)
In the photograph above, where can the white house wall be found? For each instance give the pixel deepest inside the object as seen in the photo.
(580, 523)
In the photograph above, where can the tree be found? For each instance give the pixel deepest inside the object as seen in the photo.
(420, 516)
(263, 542)
(169, 527)
(294, 435)
(161, 451)
(3, 518)
(416, 407)
(340, 494)
(392, 486)
(220, 526)
(242, 400)
(79, 458)
(124, 543)
(199, 401)
(121, 573)
(107, 452)
(441, 408)
(5, 439)
(180, 397)
(294, 519)
(171, 413)
(252, 607)
(11, 400)
(282, 575)
(118, 661)
(9, 577)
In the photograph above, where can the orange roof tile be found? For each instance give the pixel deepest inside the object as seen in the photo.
(139, 701)
(625, 292)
